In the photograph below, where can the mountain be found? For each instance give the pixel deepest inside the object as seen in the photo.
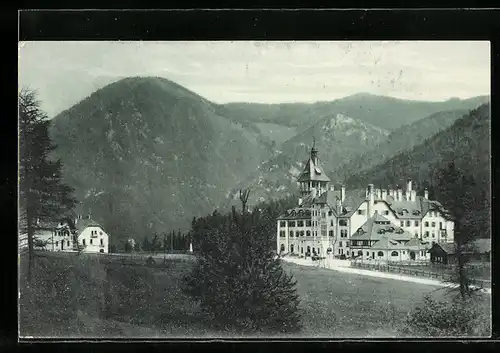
(400, 140)
(466, 142)
(146, 155)
(338, 138)
(386, 112)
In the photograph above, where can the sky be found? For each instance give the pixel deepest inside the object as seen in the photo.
(63, 73)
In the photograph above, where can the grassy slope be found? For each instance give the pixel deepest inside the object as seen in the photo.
(333, 304)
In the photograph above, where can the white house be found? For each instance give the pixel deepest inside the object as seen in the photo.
(326, 220)
(91, 236)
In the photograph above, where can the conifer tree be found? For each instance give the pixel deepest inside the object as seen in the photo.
(238, 280)
(457, 201)
(42, 194)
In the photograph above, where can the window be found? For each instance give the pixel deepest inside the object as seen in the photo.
(67, 243)
(308, 223)
(402, 223)
(330, 233)
(433, 235)
(426, 224)
(283, 224)
(416, 235)
(330, 213)
(323, 215)
(403, 252)
(433, 224)
(408, 223)
(331, 223)
(380, 253)
(360, 253)
(416, 223)
(360, 211)
(83, 242)
(347, 252)
(291, 223)
(343, 233)
(301, 249)
(291, 247)
(426, 234)
(308, 233)
(301, 233)
(440, 225)
(340, 244)
(394, 253)
(300, 223)
(282, 247)
(339, 251)
(347, 243)
(386, 212)
(282, 233)
(343, 222)
(90, 241)
(291, 234)
(57, 243)
(367, 253)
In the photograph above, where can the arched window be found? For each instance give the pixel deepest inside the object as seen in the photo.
(291, 234)
(282, 248)
(308, 249)
(380, 253)
(394, 253)
(291, 247)
(426, 224)
(360, 253)
(308, 233)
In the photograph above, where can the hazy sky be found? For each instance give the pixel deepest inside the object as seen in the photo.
(267, 72)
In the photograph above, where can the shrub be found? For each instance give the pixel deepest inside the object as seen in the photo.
(238, 281)
(443, 319)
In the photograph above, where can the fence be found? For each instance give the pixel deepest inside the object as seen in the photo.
(443, 276)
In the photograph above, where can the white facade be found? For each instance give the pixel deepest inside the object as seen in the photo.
(94, 239)
(333, 216)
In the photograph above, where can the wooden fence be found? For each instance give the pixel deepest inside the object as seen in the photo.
(443, 276)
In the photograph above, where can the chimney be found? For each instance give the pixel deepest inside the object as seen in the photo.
(384, 194)
(414, 195)
(400, 194)
(339, 206)
(371, 196)
(379, 193)
(408, 190)
(342, 193)
(426, 193)
(300, 201)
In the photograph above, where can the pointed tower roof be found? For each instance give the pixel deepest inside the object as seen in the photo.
(313, 171)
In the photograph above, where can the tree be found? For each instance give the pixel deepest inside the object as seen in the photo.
(146, 245)
(137, 247)
(155, 243)
(42, 194)
(238, 280)
(457, 201)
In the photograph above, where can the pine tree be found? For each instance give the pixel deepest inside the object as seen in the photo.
(42, 195)
(238, 280)
(455, 192)
(146, 245)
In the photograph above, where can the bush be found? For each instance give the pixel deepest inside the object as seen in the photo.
(238, 281)
(443, 319)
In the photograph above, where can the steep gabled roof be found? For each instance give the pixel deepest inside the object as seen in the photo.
(313, 172)
(379, 227)
(82, 224)
(353, 199)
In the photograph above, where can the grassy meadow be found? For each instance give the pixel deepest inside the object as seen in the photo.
(83, 296)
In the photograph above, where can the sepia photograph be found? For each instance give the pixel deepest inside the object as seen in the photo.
(254, 189)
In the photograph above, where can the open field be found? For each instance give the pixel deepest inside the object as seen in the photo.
(115, 300)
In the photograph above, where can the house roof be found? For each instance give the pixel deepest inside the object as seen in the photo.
(82, 224)
(296, 213)
(448, 248)
(379, 227)
(313, 172)
(353, 199)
